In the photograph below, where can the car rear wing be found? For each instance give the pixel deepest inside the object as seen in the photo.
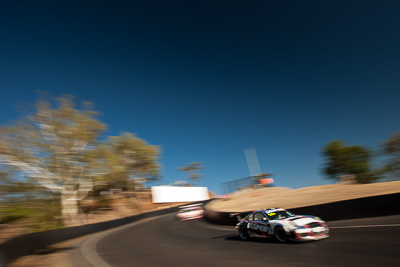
(237, 215)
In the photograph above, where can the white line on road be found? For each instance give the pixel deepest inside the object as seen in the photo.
(363, 226)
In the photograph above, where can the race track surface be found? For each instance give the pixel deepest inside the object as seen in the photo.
(167, 242)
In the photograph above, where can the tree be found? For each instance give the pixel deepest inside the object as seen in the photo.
(344, 160)
(125, 162)
(56, 146)
(391, 148)
(191, 170)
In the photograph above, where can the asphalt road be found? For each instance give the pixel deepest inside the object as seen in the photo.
(167, 242)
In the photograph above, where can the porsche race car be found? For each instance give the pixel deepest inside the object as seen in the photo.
(190, 212)
(282, 225)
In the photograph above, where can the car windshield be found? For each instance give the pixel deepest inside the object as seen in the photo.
(279, 214)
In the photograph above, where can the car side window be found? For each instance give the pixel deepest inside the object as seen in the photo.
(250, 217)
(258, 216)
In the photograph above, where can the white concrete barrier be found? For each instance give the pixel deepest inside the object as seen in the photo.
(163, 194)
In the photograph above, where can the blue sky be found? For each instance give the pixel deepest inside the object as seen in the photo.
(205, 80)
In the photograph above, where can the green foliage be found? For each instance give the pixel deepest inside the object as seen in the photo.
(348, 160)
(62, 141)
(123, 161)
(36, 214)
(57, 151)
(391, 148)
(13, 213)
(51, 144)
(46, 215)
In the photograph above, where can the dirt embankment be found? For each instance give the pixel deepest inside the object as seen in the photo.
(253, 199)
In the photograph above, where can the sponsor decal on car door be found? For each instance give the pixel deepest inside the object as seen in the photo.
(260, 226)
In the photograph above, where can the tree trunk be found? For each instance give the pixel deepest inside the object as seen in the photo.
(70, 211)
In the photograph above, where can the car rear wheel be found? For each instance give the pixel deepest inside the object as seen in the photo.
(243, 234)
(280, 234)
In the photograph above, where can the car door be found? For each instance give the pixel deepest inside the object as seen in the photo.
(250, 225)
(260, 226)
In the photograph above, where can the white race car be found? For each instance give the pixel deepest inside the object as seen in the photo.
(283, 225)
(190, 212)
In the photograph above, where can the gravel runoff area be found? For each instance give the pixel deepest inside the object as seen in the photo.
(261, 198)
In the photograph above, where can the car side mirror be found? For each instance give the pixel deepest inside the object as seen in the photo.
(265, 219)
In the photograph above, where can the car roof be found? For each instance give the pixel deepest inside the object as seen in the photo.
(191, 206)
(269, 209)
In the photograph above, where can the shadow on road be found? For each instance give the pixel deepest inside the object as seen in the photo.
(257, 240)
(53, 250)
(253, 239)
(222, 236)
